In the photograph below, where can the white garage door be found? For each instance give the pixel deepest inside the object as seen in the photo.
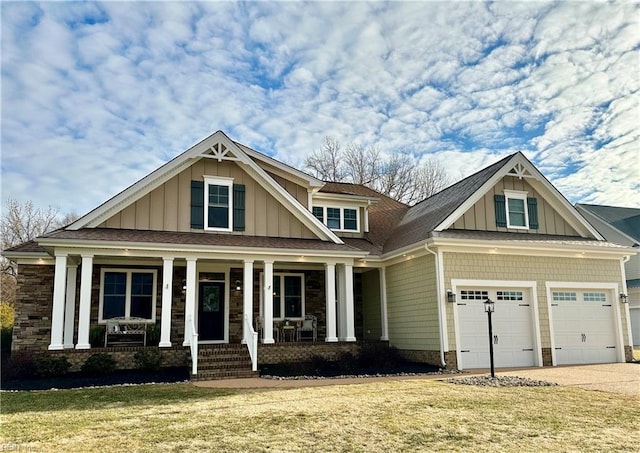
(512, 321)
(583, 326)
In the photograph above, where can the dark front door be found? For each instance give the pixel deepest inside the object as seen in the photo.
(211, 311)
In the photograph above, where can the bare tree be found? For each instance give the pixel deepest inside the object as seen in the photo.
(22, 222)
(397, 175)
(325, 163)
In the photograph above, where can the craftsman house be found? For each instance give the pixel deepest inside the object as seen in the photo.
(224, 248)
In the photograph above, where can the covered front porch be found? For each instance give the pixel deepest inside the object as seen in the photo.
(217, 297)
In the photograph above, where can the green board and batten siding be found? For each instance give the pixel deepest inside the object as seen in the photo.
(411, 304)
(482, 216)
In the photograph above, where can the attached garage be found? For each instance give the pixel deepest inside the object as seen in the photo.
(514, 327)
(584, 325)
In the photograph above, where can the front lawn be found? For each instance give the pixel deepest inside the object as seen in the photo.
(415, 415)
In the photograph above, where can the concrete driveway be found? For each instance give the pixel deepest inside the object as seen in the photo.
(610, 377)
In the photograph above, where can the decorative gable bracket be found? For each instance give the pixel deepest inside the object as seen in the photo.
(220, 152)
(520, 171)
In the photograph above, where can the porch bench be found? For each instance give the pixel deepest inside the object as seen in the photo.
(125, 329)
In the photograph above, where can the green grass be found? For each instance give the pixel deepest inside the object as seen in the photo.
(386, 417)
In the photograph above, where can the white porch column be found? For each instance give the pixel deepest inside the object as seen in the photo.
(330, 292)
(383, 305)
(57, 310)
(342, 307)
(190, 300)
(349, 304)
(167, 299)
(70, 305)
(267, 328)
(84, 316)
(247, 295)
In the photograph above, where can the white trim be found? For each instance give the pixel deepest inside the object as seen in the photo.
(516, 195)
(530, 286)
(127, 304)
(70, 304)
(218, 181)
(611, 288)
(84, 313)
(627, 306)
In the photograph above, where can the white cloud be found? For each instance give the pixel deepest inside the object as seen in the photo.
(97, 95)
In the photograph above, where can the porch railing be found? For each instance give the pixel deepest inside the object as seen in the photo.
(193, 345)
(252, 342)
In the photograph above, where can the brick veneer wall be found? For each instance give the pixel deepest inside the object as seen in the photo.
(176, 356)
(302, 352)
(32, 324)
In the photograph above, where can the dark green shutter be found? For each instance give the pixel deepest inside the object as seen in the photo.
(197, 205)
(532, 206)
(238, 207)
(501, 210)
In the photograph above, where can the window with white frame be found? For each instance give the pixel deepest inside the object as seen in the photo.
(516, 204)
(127, 293)
(288, 296)
(218, 203)
(338, 218)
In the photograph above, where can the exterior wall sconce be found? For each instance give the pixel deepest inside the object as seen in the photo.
(184, 287)
(238, 285)
(451, 296)
(624, 299)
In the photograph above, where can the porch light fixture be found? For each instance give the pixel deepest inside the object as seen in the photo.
(238, 285)
(624, 299)
(184, 287)
(451, 296)
(489, 307)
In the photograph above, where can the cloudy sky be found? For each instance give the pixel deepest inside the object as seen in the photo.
(97, 95)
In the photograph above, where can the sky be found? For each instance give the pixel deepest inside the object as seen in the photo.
(97, 95)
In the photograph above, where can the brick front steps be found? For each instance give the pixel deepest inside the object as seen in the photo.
(223, 361)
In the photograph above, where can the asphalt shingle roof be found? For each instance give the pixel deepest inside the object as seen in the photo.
(421, 219)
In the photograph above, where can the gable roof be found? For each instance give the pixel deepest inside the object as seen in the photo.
(440, 211)
(203, 149)
(625, 220)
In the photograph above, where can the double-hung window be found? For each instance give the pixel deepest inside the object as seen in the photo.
(127, 293)
(516, 203)
(338, 218)
(218, 203)
(288, 296)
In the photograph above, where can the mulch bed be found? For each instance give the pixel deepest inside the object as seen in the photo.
(77, 380)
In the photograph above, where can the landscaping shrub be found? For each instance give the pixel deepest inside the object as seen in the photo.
(99, 364)
(48, 366)
(96, 336)
(19, 366)
(153, 335)
(6, 334)
(148, 359)
(7, 314)
(379, 355)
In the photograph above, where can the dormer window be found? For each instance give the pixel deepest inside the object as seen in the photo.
(338, 218)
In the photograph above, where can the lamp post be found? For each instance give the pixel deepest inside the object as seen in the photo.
(489, 307)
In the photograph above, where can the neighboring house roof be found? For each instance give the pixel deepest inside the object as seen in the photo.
(625, 220)
(634, 283)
